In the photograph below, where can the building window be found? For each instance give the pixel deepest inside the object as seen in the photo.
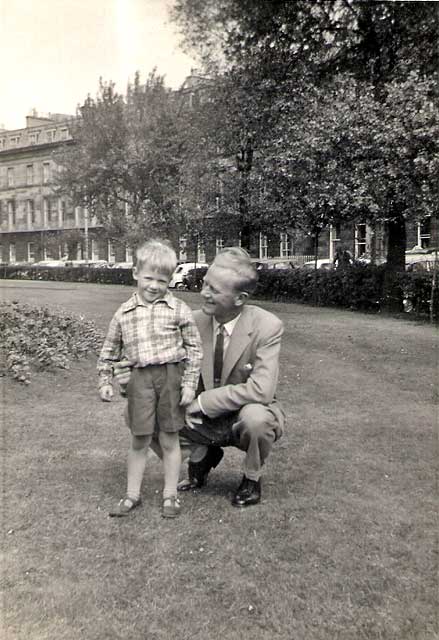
(13, 142)
(334, 240)
(285, 246)
(111, 253)
(128, 254)
(63, 134)
(69, 212)
(30, 252)
(1, 253)
(30, 210)
(51, 135)
(10, 177)
(94, 250)
(201, 253)
(263, 246)
(182, 252)
(46, 172)
(47, 211)
(64, 251)
(11, 213)
(33, 137)
(62, 210)
(12, 253)
(219, 244)
(360, 239)
(30, 174)
(424, 233)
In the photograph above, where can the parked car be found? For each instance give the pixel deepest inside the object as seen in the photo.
(272, 263)
(419, 259)
(50, 263)
(181, 271)
(77, 263)
(193, 280)
(321, 263)
(120, 265)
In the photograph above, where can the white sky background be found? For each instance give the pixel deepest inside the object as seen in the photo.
(52, 52)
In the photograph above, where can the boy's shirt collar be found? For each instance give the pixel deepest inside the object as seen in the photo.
(135, 301)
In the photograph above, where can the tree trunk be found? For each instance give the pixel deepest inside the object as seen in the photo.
(396, 246)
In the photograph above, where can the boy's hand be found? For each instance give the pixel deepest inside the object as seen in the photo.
(106, 393)
(187, 395)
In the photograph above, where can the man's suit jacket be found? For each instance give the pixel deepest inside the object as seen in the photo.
(251, 364)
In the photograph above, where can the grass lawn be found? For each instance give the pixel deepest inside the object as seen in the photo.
(344, 544)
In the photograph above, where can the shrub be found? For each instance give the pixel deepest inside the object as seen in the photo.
(358, 287)
(194, 279)
(68, 274)
(35, 338)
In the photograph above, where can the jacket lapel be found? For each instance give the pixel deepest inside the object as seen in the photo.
(238, 342)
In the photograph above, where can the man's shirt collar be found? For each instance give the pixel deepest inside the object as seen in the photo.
(228, 326)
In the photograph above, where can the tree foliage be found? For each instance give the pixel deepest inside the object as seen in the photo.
(337, 99)
(125, 160)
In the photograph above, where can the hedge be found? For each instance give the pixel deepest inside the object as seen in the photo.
(357, 287)
(68, 274)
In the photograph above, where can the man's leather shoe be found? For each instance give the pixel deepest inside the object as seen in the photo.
(248, 493)
(198, 471)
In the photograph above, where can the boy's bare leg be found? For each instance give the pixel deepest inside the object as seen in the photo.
(137, 456)
(170, 447)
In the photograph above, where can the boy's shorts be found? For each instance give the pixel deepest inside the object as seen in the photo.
(154, 395)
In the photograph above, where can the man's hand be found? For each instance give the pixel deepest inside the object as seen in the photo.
(106, 393)
(193, 415)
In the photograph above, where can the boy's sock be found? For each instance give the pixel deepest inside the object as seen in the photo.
(136, 469)
(169, 493)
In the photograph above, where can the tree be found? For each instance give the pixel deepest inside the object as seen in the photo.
(284, 58)
(126, 157)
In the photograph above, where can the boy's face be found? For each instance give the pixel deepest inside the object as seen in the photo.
(151, 284)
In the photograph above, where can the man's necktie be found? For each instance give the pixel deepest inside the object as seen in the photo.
(218, 356)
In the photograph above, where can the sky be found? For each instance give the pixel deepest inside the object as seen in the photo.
(53, 52)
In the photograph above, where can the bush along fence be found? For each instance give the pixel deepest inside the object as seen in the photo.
(356, 287)
(67, 274)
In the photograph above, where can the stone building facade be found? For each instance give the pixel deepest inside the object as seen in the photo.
(35, 223)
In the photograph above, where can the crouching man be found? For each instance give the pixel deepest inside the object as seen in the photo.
(235, 405)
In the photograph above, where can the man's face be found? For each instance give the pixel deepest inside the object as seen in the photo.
(220, 297)
(151, 285)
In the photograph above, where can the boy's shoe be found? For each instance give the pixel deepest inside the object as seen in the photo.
(124, 507)
(171, 507)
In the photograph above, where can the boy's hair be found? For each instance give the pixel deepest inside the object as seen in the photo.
(238, 260)
(158, 255)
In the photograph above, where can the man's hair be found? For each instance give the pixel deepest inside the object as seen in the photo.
(158, 255)
(238, 260)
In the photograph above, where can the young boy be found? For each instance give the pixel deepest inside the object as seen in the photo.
(155, 332)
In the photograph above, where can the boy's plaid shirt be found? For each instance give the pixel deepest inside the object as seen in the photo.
(157, 333)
